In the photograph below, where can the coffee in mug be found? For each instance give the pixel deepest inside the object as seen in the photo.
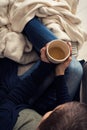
(57, 51)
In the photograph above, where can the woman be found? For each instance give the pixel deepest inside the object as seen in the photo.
(17, 99)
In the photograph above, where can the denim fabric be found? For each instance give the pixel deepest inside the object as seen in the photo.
(73, 77)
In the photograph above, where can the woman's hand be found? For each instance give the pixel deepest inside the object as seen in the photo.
(60, 68)
(43, 55)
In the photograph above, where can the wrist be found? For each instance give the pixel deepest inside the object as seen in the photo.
(59, 72)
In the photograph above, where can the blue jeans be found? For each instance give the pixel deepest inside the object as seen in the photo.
(39, 35)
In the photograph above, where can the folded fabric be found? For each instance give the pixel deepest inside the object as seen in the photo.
(58, 15)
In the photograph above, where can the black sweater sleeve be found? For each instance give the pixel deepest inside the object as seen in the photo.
(8, 109)
(29, 86)
(61, 90)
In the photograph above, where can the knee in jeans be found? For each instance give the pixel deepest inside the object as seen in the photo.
(76, 68)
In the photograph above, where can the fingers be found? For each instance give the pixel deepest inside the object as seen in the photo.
(43, 55)
(60, 68)
(70, 46)
(66, 63)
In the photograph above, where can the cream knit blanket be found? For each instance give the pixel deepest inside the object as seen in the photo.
(58, 15)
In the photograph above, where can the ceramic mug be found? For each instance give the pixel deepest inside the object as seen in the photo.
(57, 51)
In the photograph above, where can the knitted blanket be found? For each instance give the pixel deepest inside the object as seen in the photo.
(58, 15)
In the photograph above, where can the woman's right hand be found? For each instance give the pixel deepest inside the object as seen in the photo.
(60, 68)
